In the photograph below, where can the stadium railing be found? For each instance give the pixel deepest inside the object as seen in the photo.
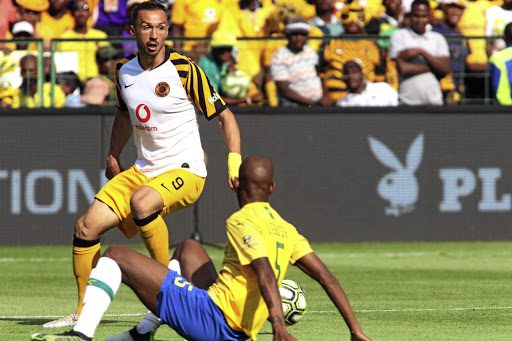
(63, 63)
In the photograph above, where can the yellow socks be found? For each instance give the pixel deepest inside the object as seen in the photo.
(85, 257)
(154, 234)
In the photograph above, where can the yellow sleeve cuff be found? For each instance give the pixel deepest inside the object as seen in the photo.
(234, 162)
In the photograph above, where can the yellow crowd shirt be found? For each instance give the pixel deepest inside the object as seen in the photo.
(199, 18)
(253, 232)
(59, 26)
(22, 100)
(87, 66)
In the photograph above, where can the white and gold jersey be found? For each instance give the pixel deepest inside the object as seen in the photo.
(162, 104)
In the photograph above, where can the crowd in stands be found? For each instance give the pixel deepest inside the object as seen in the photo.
(308, 52)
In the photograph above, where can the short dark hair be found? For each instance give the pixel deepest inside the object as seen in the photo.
(147, 6)
(420, 2)
(71, 78)
(507, 33)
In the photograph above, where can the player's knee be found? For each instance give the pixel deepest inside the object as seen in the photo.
(187, 247)
(145, 202)
(139, 207)
(114, 252)
(84, 230)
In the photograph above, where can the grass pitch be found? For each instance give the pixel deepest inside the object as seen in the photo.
(399, 291)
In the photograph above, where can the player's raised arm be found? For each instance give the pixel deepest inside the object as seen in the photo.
(231, 133)
(121, 132)
(270, 293)
(316, 269)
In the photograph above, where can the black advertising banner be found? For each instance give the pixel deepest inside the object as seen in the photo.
(400, 174)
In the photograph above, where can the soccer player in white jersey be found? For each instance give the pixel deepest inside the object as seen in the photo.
(158, 92)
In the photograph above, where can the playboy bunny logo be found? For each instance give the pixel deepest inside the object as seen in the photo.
(399, 186)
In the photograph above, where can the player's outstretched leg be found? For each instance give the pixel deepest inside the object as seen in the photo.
(86, 251)
(192, 262)
(141, 273)
(145, 330)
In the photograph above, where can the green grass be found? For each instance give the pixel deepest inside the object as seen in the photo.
(399, 291)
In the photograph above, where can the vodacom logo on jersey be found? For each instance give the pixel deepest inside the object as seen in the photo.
(143, 115)
(144, 110)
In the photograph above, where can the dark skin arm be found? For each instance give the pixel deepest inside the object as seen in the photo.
(439, 65)
(270, 293)
(121, 132)
(316, 269)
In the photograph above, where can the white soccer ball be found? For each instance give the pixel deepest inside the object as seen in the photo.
(235, 84)
(293, 298)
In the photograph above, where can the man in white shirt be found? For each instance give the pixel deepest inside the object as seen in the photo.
(422, 58)
(362, 93)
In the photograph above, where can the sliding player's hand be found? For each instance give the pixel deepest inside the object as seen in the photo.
(283, 336)
(113, 167)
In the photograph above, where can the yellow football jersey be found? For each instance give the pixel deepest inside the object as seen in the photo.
(253, 232)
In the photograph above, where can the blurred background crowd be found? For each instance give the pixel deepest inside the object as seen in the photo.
(290, 53)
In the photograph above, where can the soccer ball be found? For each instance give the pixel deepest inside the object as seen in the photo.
(293, 298)
(235, 84)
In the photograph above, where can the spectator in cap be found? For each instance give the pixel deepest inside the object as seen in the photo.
(293, 69)
(30, 10)
(500, 69)
(215, 63)
(58, 16)
(220, 61)
(362, 93)
(86, 51)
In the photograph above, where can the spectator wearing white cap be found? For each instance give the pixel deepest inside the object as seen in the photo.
(23, 30)
(293, 69)
(30, 10)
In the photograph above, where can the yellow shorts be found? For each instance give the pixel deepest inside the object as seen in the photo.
(179, 189)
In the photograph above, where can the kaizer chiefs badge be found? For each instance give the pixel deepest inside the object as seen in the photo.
(162, 89)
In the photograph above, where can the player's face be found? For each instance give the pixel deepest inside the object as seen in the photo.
(420, 16)
(150, 31)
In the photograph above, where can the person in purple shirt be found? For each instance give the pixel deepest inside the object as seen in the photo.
(112, 16)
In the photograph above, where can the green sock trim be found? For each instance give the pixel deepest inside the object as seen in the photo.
(103, 286)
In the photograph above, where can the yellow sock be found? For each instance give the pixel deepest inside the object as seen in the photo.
(156, 238)
(85, 259)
